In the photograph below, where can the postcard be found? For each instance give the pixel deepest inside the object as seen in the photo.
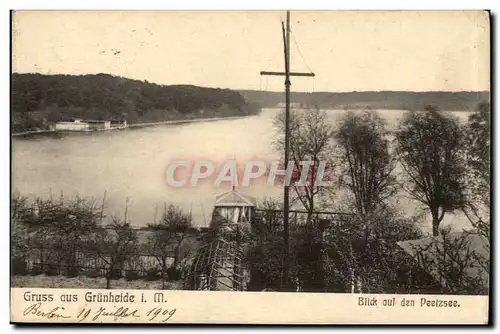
(250, 167)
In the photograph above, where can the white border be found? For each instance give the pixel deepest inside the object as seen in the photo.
(256, 4)
(148, 4)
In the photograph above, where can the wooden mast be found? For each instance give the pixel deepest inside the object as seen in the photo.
(286, 198)
(286, 224)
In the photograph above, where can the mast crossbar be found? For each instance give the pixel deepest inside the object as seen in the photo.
(292, 74)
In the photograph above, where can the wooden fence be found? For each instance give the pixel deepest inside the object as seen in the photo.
(44, 254)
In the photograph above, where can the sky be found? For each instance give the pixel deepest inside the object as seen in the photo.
(348, 51)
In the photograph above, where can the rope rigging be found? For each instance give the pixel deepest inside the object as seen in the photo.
(310, 84)
(300, 51)
(309, 89)
(277, 52)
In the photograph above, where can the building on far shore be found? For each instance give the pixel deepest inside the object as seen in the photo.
(119, 124)
(99, 125)
(293, 105)
(83, 125)
(75, 125)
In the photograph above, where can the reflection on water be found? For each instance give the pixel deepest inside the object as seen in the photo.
(131, 164)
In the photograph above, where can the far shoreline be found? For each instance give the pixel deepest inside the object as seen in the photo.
(135, 125)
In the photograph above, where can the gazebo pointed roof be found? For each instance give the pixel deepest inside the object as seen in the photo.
(234, 198)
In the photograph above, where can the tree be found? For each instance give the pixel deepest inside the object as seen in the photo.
(167, 236)
(114, 244)
(478, 162)
(479, 147)
(429, 146)
(310, 142)
(75, 222)
(365, 168)
(60, 229)
(366, 165)
(358, 262)
(265, 248)
(310, 139)
(19, 234)
(454, 259)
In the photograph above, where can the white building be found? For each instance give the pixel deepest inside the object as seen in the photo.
(99, 125)
(76, 125)
(235, 208)
(80, 125)
(293, 105)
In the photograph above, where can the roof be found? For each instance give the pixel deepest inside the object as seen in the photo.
(234, 198)
(477, 244)
(95, 121)
(81, 121)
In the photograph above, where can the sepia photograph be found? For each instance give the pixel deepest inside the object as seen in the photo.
(290, 152)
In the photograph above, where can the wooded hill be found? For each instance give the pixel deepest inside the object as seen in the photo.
(40, 100)
(451, 101)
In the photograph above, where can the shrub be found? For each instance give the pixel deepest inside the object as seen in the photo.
(51, 270)
(19, 267)
(132, 275)
(36, 270)
(93, 273)
(173, 274)
(115, 274)
(72, 271)
(153, 274)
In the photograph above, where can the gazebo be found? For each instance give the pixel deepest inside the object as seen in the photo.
(234, 208)
(218, 264)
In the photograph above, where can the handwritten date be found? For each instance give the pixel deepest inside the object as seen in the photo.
(121, 312)
(160, 312)
(98, 314)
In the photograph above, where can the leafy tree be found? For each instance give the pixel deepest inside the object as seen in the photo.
(365, 167)
(429, 146)
(366, 164)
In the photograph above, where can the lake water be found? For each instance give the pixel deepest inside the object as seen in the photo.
(131, 164)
